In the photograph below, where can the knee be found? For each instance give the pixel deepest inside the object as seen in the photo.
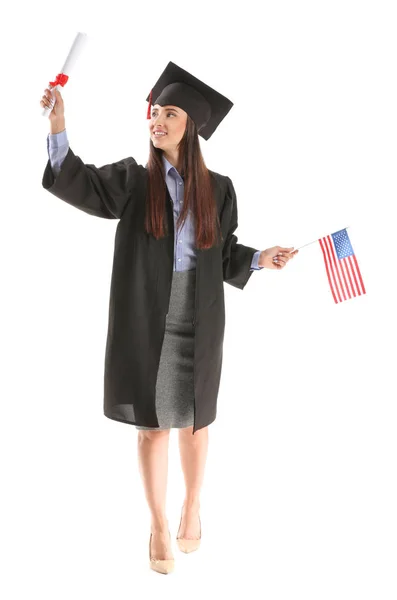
(152, 434)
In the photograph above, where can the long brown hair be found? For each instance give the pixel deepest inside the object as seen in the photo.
(198, 192)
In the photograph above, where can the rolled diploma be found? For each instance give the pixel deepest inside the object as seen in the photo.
(74, 52)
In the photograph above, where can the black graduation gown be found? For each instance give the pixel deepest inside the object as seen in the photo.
(141, 286)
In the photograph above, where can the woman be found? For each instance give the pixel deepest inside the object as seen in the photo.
(174, 248)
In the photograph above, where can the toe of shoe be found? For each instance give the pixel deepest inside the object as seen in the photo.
(162, 566)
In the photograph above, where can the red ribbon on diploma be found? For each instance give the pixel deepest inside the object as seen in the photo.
(60, 79)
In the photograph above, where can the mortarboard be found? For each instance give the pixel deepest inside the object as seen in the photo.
(203, 104)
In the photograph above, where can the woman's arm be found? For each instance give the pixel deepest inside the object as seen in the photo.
(99, 191)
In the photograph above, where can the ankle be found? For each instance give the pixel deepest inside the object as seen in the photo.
(159, 525)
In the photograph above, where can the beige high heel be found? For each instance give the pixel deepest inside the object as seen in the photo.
(186, 545)
(165, 565)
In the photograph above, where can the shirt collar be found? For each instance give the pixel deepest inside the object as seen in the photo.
(167, 165)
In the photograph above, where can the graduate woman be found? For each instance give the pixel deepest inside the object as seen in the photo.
(174, 249)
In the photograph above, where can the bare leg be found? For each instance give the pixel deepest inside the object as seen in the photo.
(193, 451)
(153, 467)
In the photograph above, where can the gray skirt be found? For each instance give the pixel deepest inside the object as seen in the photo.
(174, 386)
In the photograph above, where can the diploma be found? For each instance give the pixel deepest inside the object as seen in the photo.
(62, 77)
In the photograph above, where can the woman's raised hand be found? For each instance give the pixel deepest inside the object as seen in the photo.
(53, 98)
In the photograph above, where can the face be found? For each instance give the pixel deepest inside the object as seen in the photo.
(172, 121)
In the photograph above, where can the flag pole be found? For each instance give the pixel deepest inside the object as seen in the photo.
(304, 245)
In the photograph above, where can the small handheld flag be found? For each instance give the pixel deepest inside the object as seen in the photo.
(341, 265)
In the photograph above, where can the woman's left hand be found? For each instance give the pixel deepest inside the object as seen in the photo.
(276, 257)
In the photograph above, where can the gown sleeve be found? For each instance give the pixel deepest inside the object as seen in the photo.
(236, 257)
(100, 191)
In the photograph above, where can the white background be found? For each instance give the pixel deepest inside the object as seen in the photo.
(300, 501)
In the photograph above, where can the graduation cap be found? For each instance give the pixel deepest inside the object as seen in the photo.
(203, 104)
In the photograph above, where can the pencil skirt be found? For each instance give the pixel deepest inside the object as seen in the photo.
(175, 382)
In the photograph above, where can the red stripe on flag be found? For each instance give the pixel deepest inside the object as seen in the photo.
(354, 275)
(332, 270)
(358, 273)
(335, 259)
(346, 263)
(342, 268)
(327, 270)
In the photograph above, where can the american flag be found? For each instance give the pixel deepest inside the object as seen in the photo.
(342, 267)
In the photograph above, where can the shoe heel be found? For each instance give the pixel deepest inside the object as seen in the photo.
(185, 545)
(164, 566)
